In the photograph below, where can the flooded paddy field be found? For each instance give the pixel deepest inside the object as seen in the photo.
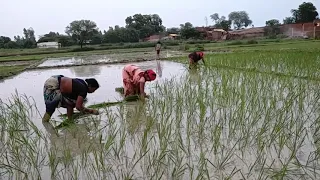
(207, 123)
(106, 59)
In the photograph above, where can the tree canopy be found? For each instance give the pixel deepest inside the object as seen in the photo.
(306, 12)
(82, 30)
(221, 22)
(188, 31)
(145, 25)
(240, 19)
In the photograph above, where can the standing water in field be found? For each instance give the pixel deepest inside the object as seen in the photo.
(109, 77)
(211, 123)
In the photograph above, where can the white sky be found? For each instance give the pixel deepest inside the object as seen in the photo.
(44, 16)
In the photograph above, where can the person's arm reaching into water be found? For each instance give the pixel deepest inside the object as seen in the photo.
(142, 93)
(81, 108)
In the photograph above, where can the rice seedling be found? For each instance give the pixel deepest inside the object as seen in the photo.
(242, 116)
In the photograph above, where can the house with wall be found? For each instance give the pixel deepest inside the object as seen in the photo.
(310, 29)
(254, 32)
(49, 45)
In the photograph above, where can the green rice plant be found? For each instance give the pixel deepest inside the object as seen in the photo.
(242, 116)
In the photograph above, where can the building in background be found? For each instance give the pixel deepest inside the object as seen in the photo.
(310, 29)
(49, 45)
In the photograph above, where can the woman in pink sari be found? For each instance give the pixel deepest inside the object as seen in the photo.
(134, 80)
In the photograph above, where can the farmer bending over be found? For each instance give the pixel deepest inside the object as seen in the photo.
(195, 57)
(60, 91)
(134, 80)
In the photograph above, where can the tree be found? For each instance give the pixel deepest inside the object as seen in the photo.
(224, 24)
(173, 30)
(215, 17)
(306, 12)
(4, 40)
(65, 40)
(29, 40)
(188, 31)
(272, 28)
(289, 20)
(11, 45)
(146, 25)
(240, 19)
(121, 34)
(273, 22)
(97, 38)
(221, 22)
(81, 30)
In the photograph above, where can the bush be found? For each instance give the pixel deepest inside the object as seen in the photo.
(184, 47)
(105, 45)
(198, 42)
(83, 49)
(252, 42)
(199, 47)
(281, 36)
(235, 43)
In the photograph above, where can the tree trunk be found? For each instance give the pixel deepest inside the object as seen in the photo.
(81, 44)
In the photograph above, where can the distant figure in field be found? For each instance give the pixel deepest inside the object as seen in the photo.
(195, 57)
(158, 49)
(61, 91)
(134, 80)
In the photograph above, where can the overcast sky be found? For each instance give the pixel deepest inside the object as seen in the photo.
(44, 16)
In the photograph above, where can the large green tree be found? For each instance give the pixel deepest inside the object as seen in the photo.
(29, 40)
(188, 31)
(272, 28)
(81, 30)
(146, 25)
(121, 34)
(306, 12)
(240, 19)
(4, 40)
(221, 22)
(173, 30)
(273, 22)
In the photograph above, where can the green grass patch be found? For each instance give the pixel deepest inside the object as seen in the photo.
(6, 71)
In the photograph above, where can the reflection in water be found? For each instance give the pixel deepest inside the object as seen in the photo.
(74, 140)
(159, 68)
(195, 77)
(86, 71)
(135, 116)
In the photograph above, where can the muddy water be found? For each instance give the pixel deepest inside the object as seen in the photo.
(72, 61)
(119, 57)
(31, 82)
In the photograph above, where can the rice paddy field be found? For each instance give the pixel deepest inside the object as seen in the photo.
(243, 115)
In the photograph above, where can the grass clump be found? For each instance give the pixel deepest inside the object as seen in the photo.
(6, 71)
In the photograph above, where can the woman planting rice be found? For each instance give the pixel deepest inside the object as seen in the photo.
(60, 91)
(134, 80)
(195, 57)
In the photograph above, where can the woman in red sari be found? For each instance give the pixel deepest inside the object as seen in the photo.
(134, 80)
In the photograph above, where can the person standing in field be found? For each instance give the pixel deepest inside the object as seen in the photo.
(61, 91)
(195, 57)
(158, 49)
(134, 80)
